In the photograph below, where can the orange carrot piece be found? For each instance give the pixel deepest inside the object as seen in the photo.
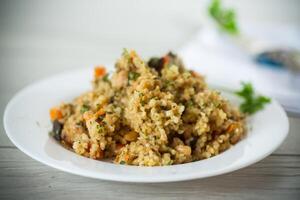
(166, 59)
(195, 74)
(55, 114)
(99, 71)
(231, 127)
(132, 54)
(126, 157)
(100, 112)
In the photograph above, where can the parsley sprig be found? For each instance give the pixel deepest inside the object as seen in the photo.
(225, 18)
(252, 103)
(133, 75)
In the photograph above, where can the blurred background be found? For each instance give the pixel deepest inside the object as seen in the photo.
(42, 38)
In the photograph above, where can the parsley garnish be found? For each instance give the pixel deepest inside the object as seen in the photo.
(84, 108)
(225, 18)
(252, 103)
(100, 128)
(122, 162)
(133, 75)
(106, 78)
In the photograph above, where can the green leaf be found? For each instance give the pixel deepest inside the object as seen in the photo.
(251, 103)
(106, 78)
(84, 108)
(133, 75)
(122, 162)
(225, 18)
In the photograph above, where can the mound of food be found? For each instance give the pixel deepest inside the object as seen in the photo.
(148, 114)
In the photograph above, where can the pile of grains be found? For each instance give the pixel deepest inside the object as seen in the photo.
(148, 114)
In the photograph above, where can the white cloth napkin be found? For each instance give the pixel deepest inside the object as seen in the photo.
(226, 64)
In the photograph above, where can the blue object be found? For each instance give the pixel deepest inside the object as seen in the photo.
(267, 58)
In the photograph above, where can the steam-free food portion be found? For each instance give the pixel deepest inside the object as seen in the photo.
(148, 114)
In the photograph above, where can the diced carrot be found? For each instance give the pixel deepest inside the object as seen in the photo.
(99, 71)
(132, 54)
(166, 59)
(100, 112)
(231, 127)
(195, 74)
(55, 114)
(126, 157)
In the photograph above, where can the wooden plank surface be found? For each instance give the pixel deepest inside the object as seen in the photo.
(276, 177)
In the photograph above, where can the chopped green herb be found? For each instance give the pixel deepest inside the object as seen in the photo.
(143, 102)
(216, 104)
(84, 108)
(167, 84)
(122, 162)
(133, 75)
(106, 78)
(225, 18)
(189, 103)
(100, 128)
(252, 103)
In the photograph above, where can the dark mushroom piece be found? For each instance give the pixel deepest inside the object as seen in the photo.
(156, 63)
(56, 130)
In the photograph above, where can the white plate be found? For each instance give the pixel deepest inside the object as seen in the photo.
(26, 121)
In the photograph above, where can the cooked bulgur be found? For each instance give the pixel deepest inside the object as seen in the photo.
(148, 114)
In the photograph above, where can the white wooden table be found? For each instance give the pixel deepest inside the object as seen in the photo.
(38, 39)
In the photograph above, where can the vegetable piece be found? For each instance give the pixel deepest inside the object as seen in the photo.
(231, 127)
(56, 130)
(225, 18)
(100, 127)
(252, 103)
(55, 114)
(106, 78)
(122, 162)
(84, 108)
(166, 60)
(131, 136)
(133, 54)
(99, 71)
(100, 112)
(133, 75)
(156, 63)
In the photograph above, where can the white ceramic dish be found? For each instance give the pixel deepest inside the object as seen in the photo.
(26, 121)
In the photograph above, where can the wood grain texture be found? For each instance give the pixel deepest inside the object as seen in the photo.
(276, 177)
